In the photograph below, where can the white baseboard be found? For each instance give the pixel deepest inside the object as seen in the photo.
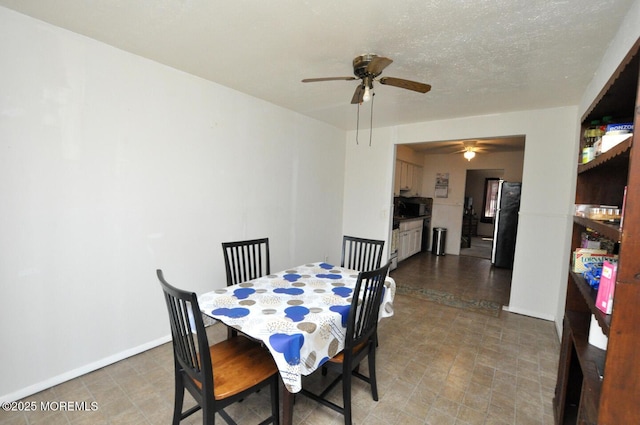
(533, 314)
(59, 379)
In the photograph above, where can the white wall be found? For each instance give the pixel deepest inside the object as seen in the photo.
(548, 175)
(113, 166)
(369, 186)
(447, 212)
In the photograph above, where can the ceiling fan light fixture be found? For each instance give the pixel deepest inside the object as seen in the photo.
(469, 154)
(368, 68)
(367, 94)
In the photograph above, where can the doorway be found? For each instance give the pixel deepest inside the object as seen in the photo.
(477, 228)
(505, 154)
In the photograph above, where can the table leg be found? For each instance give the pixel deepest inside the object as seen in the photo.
(288, 399)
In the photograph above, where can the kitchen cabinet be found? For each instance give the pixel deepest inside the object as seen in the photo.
(409, 238)
(596, 386)
(408, 179)
(416, 186)
(406, 176)
(396, 178)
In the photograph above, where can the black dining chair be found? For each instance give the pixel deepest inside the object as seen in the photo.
(245, 260)
(218, 375)
(360, 342)
(361, 254)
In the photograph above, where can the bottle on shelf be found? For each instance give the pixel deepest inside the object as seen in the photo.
(590, 136)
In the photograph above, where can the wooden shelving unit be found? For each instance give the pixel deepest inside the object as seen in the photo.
(598, 386)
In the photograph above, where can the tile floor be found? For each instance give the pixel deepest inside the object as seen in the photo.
(437, 365)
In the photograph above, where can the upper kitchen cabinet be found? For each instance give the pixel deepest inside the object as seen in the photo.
(416, 189)
(406, 176)
(408, 172)
(408, 179)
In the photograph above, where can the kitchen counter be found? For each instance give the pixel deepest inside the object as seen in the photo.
(397, 219)
(407, 218)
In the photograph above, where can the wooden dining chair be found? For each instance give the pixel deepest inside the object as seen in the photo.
(360, 342)
(361, 254)
(245, 260)
(218, 375)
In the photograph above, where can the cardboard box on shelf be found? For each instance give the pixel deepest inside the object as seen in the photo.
(604, 300)
(583, 256)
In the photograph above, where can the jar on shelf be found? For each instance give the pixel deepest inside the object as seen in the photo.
(590, 137)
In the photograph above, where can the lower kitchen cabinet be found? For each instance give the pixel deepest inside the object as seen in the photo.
(409, 238)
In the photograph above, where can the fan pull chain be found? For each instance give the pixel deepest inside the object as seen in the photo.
(357, 124)
(370, 122)
(373, 95)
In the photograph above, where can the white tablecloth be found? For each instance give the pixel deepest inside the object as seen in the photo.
(300, 314)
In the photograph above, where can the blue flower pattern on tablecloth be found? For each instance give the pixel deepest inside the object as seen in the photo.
(289, 291)
(288, 345)
(243, 293)
(291, 277)
(342, 291)
(329, 276)
(231, 312)
(343, 310)
(326, 266)
(296, 313)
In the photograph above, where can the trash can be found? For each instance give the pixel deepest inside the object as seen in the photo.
(439, 239)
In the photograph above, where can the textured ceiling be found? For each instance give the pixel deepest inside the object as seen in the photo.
(480, 56)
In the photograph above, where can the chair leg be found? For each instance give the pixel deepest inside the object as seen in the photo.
(179, 400)
(372, 371)
(275, 399)
(346, 397)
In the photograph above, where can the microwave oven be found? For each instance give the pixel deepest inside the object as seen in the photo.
(414, 207)
(417, 207)
(416, 210)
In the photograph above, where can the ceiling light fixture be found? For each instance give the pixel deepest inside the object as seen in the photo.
(367, 94)
(469, 154)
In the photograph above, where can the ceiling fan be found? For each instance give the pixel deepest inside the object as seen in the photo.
(367, 68)
(470, 149)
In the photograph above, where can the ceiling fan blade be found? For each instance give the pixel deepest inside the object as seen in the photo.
(357, 95)
(405, 84)
(315, 80)
(377, 64)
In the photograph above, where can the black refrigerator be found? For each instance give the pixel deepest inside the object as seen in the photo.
(505, 224)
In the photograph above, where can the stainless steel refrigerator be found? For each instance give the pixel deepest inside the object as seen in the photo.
(505, 224)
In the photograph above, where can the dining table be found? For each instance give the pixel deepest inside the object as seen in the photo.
(299, 314)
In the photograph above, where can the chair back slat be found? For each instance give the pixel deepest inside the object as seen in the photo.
(246, 260)
(361, 254)
(362, 321)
